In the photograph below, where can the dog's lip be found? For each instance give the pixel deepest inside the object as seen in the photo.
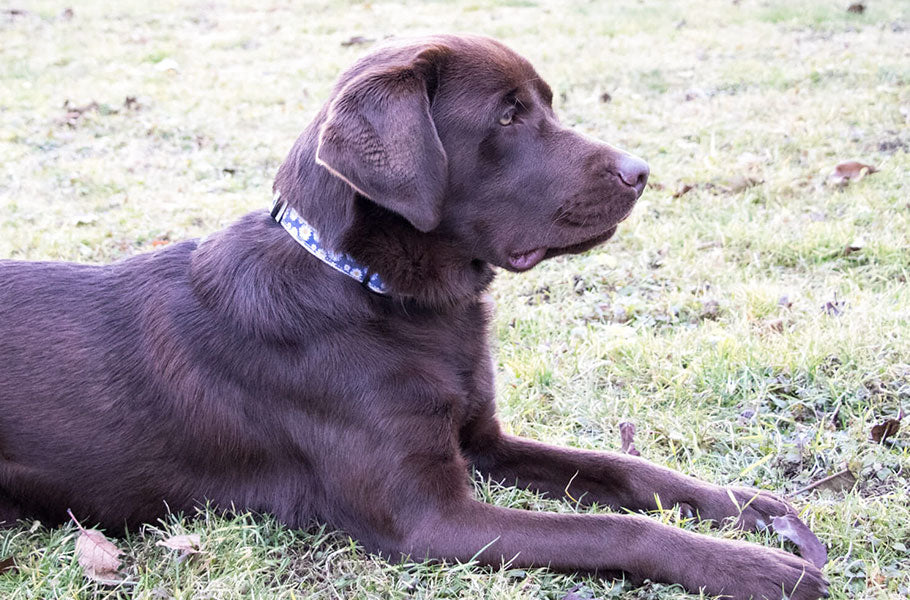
(522, 261)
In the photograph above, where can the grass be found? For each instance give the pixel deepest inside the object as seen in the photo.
(703, 321)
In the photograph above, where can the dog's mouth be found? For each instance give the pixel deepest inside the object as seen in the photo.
(522, 261)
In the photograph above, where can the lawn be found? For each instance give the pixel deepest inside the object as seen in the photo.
(754, 327)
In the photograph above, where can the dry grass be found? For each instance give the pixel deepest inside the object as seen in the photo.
(677, 324)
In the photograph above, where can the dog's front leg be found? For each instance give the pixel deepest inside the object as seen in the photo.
(639, 546)
(615, 480)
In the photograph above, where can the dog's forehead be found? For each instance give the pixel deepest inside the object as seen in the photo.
(487, 66)
(480, 74)
(471, 64)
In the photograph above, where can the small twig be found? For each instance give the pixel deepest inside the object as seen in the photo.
(75, 520)
(812, 486)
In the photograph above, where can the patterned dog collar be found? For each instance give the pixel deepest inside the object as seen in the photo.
(308, 237)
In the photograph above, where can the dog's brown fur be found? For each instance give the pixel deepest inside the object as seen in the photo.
(242, 371)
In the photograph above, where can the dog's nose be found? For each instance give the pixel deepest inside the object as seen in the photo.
(633, 171)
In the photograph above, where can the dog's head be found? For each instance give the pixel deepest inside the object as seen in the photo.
(455, 139)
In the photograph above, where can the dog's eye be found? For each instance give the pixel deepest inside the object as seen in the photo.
(506, 118)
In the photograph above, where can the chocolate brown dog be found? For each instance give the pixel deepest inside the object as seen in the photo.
(331, 360)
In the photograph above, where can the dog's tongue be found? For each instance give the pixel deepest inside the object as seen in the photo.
(523, 262)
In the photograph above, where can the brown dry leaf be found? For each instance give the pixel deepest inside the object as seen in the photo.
(75, 113)
(839, 482)
(357, 40)
(579, 592)
(854, 246)
(774, 325)
(8, 565)
(738, 183)
(98, 557)
(627, 434)
(810, 547)
(186, 544)
(834, 308)
(710, 309)
(887, 428)
(848, 171)
(683, 189)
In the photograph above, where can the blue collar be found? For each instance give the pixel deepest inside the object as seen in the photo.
(308, 237)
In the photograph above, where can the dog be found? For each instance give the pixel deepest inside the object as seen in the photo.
(330, 359)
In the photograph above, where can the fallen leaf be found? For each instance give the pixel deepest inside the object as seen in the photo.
(695, 94)
(357, 40)
(839, 482)
(627, 435)
(710, 309)
(854, 246)
(848, 171)
(775, 325)
(576, 593)
(86, 220)
(887, 428)
(8, 565)
(98, 557)
(810, 547)
(842, 480)
(738, 183)
(167, 65)
(186, 544)
(74, 113)
(683, 189)
(834, 307)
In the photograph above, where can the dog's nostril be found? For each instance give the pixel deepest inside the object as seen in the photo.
(633, 171)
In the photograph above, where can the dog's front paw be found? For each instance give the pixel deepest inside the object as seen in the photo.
(743, 571)
(748, 508)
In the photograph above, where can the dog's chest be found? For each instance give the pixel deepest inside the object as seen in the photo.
(440, 361)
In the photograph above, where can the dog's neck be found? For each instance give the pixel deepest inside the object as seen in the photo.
(308, 238)
(430, 268)
(423, 268)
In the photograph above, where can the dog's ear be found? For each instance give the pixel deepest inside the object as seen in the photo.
(380, 138)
